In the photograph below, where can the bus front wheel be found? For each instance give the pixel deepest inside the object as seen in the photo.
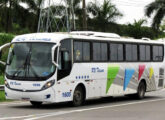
(36, 104)
(78, 97)
(141, 90)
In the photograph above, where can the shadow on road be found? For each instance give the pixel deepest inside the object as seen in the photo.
(89, 103)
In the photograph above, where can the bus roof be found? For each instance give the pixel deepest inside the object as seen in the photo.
(87, 35)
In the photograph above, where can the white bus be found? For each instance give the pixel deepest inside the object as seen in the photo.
(77, 66)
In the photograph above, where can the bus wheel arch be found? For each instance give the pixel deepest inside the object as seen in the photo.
(79, 95)
(141, 89)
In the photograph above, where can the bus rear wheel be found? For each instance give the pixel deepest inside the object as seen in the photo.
(36, 104)
(141, 90)
(78, 97)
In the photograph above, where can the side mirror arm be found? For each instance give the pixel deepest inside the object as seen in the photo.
(2, 47)
(53, 51)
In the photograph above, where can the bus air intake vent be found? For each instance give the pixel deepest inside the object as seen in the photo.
(161, 77)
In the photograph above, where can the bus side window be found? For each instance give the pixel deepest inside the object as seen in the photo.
(64, 60)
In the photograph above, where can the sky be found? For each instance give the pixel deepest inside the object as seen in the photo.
(131, 10)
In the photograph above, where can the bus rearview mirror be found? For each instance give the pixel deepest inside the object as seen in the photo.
(54, 55)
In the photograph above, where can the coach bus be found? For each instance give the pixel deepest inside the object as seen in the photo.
(77, 66)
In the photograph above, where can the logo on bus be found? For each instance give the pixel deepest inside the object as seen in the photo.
(66, 94)
(15, 83)
(97, 70)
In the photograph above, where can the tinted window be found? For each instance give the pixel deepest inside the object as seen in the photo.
(131, 52)
(116, 52)
(81, 51)
(96, 51)
(142, 52)
(145, 52)
(120, 52)
(78, 51)
(128, 51)
(134, 53)
(86, 51)
(104, 50)
(148, 53)
(113, 52)
(157, 53)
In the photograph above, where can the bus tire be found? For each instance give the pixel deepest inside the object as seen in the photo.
(141, 90)
(78, 97)
(36, 104)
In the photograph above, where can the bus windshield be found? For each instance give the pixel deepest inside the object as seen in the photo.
(30, 61)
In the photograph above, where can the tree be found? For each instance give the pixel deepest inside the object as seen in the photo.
(157, 7)
(162, 27)
(74, 10)
(13, 7)
(103, 14)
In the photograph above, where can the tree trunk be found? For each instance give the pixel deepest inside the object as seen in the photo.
(84, 16)
(8, 18)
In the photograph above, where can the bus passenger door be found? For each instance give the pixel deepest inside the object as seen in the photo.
(64, 65)
(64, 60)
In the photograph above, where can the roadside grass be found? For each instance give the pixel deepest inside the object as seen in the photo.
(2, 96)
(2, 80)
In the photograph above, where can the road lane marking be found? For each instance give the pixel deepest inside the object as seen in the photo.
(20, 117)
(89, 109)
(13, 103)
(53, 114)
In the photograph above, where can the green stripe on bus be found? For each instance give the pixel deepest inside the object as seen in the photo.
(112, 73)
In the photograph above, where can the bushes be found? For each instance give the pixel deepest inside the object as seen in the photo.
(4, 38)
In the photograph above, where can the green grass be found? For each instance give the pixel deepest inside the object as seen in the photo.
(2, 80)
(2, 96)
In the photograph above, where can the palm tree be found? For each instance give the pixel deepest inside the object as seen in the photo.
(74, 10)
(157, 7)
(103, 14)
(13, 7)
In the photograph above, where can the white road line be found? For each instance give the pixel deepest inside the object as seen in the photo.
(89, 109)
(12, 103)
(20, 117)
(45, 115)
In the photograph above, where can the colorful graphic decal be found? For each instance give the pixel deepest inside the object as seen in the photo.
(141, 70)
(151, 73)
(128, 75)
(112, 73)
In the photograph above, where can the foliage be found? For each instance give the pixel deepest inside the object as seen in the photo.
(103, 14)
(162, 27)
(17, 19)
(137, 30)
(4, 38)
(157, 7)
(2, 80)
(2, 96)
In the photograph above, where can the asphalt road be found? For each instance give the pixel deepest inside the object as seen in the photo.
(152, 107)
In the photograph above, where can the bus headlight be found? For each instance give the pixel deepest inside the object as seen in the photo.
(7, 84)
(48, 85)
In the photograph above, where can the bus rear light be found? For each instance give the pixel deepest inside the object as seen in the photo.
(48, 85)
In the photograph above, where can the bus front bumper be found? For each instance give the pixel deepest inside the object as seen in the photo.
(47, 95)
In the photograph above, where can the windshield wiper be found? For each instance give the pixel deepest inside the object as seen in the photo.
(22, 66)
